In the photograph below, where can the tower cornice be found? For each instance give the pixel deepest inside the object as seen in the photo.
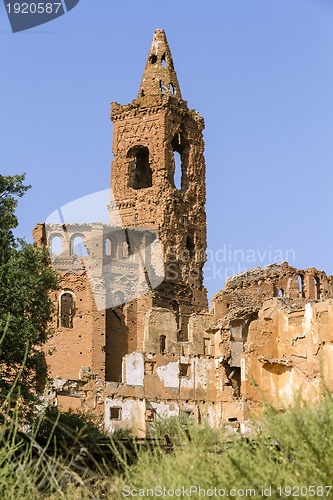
(124, 111)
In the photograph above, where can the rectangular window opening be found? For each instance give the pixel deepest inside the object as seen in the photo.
(184, 370)
(115, 413)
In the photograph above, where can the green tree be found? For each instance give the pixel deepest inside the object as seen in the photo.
(26, 279)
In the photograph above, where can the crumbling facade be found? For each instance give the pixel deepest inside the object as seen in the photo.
(277, 321)
(133, 338)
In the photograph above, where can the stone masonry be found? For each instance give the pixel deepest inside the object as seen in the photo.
(133, 338)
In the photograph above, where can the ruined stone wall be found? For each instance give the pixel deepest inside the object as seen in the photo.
(102, 324)
(268, 343)
(245, 293)
(95, 322)
(288, 351)
(154, 387)
(264, 351)
(125, 332)
(70, 346)
(161, 334)
(78, 327)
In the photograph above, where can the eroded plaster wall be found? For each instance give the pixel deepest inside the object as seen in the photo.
(288, 351)
(155, 387)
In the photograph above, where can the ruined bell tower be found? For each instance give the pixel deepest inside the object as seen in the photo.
(158, 179)
(133, 339)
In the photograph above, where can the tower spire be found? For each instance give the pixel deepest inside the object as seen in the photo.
(159, 77)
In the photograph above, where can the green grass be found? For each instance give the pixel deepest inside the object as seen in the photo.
(292, 448)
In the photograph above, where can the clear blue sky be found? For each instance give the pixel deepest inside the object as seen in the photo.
(260, 72)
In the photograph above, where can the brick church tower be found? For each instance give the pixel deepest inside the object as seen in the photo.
(158, 180)
(106, 308)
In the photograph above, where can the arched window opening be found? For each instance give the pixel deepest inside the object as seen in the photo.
(79, 247)
(110, 247)
(317, 287)
(162, 86)
(172, 89)
(56, 245)
(190, 246)
(153, 58)
(281, 292)
(162, 344)
(66, 310)
(140, 175)
(179, 166)
(163, 61)
(301, 285)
